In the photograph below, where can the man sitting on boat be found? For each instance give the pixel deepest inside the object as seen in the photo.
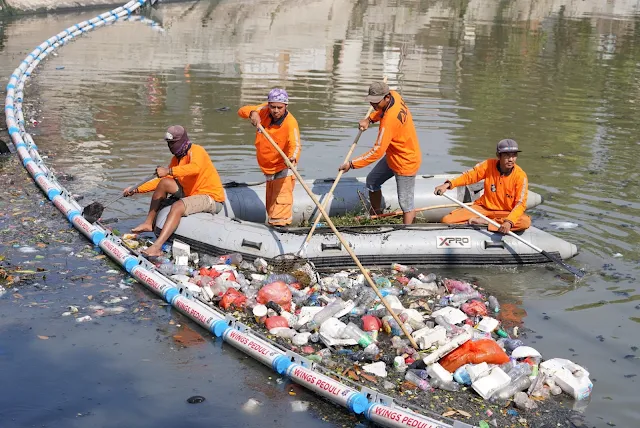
(398, 142)
(190, 177)
(283, 128)
(505, 191)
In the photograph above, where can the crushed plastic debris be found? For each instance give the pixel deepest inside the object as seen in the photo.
(340, 323)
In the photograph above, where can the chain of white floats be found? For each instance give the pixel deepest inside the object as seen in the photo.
(376, 407)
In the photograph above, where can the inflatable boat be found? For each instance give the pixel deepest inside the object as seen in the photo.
(246, 201)
(375, 246)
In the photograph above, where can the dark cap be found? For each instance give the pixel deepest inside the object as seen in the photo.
(174, 133)
(507, 146)
(377, 91)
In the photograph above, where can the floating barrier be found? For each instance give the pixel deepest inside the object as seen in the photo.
(372, 405)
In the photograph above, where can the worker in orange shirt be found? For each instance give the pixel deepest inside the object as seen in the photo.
(283, 128)
(505, 191)
(397, 139)
(191, 178)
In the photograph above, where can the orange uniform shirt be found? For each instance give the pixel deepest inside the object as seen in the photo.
(195, 173)
(501, 192)
(397, 138)
(286, 134)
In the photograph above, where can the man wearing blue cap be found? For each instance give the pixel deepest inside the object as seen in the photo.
(283, 129)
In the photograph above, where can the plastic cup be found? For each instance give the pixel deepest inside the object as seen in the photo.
(260, 313)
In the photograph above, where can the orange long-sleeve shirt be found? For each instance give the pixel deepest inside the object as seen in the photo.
(396, 137)
(501, 192)
(195, 173)
(284, 132)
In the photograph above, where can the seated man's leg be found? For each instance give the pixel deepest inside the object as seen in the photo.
(375, 179)
(524, 222)
(182, 208)
(464, 216)
(280, 201)
(406, 186)
(166, 187)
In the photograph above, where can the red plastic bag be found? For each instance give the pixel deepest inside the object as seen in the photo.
(474, 308)
(233, 297)
(209, 272)
(275, 322)
(371, 323)
(470, 352)
(276, 292)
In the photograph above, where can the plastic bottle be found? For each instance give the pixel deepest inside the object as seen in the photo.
(494, 305)
(284, 277)
(401, 268)
(458, 299)
(230, 259)
(422, 374)
(427, 278)
(358, 311)
(261, 265)
(382, 282)
(366, 299)
(391, 326)
(451, 329)
(390, 291)
(518, 384)
(354, 332)
(462, 376)
(447, 386)
(327, 312)
(419, 382)
(171, 269)
(519, 370)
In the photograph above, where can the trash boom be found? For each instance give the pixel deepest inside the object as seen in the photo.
(289, 364)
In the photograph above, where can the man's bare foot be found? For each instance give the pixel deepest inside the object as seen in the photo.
(477, 220)
(144, 227)
(152, 251)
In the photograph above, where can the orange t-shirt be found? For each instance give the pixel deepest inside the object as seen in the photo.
(285, 133)
(195, 173)
(501, 192)
(397, 138)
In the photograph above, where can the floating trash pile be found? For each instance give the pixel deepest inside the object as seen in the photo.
(466, 358)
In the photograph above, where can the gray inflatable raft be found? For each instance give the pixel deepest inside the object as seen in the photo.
(375, 246)
(247, 201)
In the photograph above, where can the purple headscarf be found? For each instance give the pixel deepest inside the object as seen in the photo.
(177, 140)
(278, 95)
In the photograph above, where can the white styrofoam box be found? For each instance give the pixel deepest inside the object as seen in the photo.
(476, 371)
(436, 371)
(427, 337)
(488, 324)
(572, 378)
(487, 385)
(394, 303)
(330, 333)
(452, 315)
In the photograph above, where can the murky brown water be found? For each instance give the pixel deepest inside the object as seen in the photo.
(562, 80)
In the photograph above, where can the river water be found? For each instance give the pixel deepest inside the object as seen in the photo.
(562, 78)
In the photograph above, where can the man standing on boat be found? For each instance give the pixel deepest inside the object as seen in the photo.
(505, 191)
(190, 177)
(283, 128)
(398, 142)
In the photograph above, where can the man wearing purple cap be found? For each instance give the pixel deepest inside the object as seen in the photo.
(505, 191)
(190, 177)
(283, 129)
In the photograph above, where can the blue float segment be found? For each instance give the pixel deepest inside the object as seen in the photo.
(219, 328)
(130, 263)
(38, 175)
(21, 146)
(73, 214)
(52, 193)
(281, 364)
(97, 236)
(10, 86)
(13, 130)
(358, 403)
(8, 106)
(171, 294)
(25, 161)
